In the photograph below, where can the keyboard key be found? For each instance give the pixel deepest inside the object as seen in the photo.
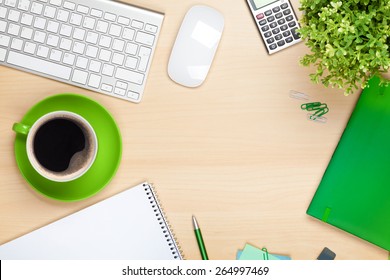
(69, 5)
(284, 6)
(69, 59)
(270, 40)
(129, 75)
(123, 20)
(273, 46)
(52, 26)
(89, 23)
(286, 33)
(79, 34)
(268, 12)
(52, 40)
(276, 31)
(43, 51)
(39, 65)
(13, 29)
(128, 33)
(292, 23)
(287, 12)
(55, 55)
(24, 5)
(79, 76)
(108, 70)
(75, 19)
(276, 9)
(131, 62)
(10, 3)
(82, 9)
(118, 59)
(284, 27)
(92, 37)
(63, 15)
(281, 21)
(144, 54)
(65, 44)
(271, 18)
(295, 34)
(109, 16)
(289, 18)
(120, 91)
(96, 13)
(289, 39)
(105, 41)
(131, 48)
(13, 15)
(49, 12)
(281, 43)
(133, 95)
(40, 23)
(265, 28)
(16, 44)
(91, 51)
(144, 38)
(115, 30)
(105, 55)
(267, 34)
(3, 12)
(30, 47)
(4, 40)
(36, 8)
(94, 81)
(26, 19)
(3, 54)
(3, 26)
(151, 28)
(278, 15)
(262, 22)
(101, 26)
(57, 3)
(26, 33)
(95, 66)
(118, 45)
(137, 24)
(273, 24)
(121, 85)
(78, 47)
(106, 87)
(66, 30)
(278, 37)
(82, 62)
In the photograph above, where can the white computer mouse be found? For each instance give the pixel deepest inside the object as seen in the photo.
(195, 46)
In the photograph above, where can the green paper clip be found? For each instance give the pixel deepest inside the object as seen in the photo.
(266, 253)
(306, 106)
(316, 108)
(319, 113)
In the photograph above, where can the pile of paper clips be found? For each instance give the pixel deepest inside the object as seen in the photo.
(319, 109)
(316, 110)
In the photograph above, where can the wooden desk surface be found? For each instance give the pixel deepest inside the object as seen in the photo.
(237, 152)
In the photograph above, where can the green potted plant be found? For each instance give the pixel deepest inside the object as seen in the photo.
(349, 41)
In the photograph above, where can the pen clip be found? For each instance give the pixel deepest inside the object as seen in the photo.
(266, 253)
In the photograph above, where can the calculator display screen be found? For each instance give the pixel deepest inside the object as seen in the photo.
(261, 3)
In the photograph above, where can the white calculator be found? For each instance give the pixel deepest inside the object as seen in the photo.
(277, 23)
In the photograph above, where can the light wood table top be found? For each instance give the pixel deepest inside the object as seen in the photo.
(237, 152)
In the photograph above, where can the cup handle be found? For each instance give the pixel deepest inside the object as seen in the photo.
(21, 128)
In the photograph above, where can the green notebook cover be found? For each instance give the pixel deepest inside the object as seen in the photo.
(354, 193)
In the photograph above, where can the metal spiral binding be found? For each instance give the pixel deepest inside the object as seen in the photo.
(164, 224)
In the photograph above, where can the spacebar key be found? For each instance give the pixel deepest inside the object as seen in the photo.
(39, 65)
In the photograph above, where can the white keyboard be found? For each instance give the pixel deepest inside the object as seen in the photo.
(100, 45)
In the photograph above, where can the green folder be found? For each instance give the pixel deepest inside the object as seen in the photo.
(354, 193)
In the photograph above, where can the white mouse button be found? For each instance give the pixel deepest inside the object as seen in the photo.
(195, 46)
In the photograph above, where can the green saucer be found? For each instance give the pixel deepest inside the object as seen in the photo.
(107, 159)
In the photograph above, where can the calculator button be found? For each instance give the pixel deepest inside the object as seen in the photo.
(295, 34)
(273, 25)
(265, 28)
(271, 18)
(276, 31)
(286, 33)
(267, 13)
(287, 12)
(272, 47)
(270, 40)
(278, 37)
(284, 27)
(267, 34)
(284, 6)
(289, 18)
(260, 16)
(289, 39)
(292, 23)
(281, 21)
(281, 43)
(262, 22)
(276, 9)
(278, 15)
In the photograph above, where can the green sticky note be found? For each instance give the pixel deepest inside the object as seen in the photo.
(252, 253)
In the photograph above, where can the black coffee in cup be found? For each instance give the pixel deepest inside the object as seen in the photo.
(56, 142)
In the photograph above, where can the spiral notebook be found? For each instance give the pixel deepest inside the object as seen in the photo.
(129, 225)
